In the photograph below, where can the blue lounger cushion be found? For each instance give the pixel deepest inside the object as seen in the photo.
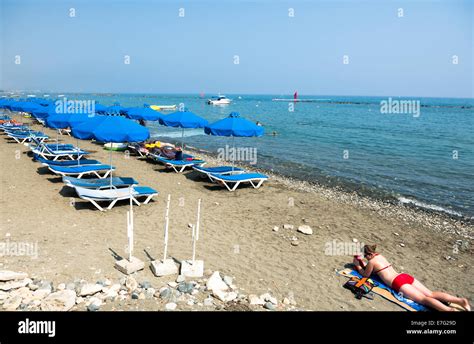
(180, 162)
(81, 168)
(218, 169)
(67, 162)
(144, 190)
(239, 177)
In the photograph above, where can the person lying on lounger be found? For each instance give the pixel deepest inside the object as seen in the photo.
(405, 284)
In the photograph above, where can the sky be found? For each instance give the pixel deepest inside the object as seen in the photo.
(247, 47)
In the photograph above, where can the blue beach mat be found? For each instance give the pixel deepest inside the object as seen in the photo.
(387, 292)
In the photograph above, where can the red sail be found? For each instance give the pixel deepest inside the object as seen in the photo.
(295, 96)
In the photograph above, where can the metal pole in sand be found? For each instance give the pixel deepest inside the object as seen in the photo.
(167, 221)
(130, 227)
(196, 231)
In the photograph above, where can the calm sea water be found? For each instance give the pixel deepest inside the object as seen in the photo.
(427, 160)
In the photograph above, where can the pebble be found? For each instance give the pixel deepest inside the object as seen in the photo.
(270, 306)
(12, 303)
(173, 284)
(90, 289)
(255, 300)
(208, 302)
(295, 243)
(186, 288)
(62, 300)
(355, 240)
(402, 244)
(288, 226)
(6, 275)
(275, 228)
(145, 285)
(180, 279)
(215, 283)
(228, 280)
(131, 284)
(135, 296)
(61, 286)
(171, 306)
(305, 229)
(165, 293)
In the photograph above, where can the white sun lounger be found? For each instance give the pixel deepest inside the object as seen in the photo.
(115, 195)
(232, 182)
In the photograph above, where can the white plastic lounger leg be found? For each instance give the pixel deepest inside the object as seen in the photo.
(135, 201)
(111, 205)
(182, 168)
(94, 203)
(258, 185)
(148, 199)
(105, 175)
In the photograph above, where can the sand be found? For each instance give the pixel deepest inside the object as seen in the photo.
(76, 241)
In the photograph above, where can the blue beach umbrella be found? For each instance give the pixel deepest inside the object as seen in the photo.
(183, 119)
(144, 113)
(115, 110)
(111, 129)
(234, 126)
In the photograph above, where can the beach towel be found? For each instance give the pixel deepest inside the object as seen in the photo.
(386, 292)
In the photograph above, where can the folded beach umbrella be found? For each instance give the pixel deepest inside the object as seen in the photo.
(183, 119)
(111, 129)
(234, 126)
(144, 113)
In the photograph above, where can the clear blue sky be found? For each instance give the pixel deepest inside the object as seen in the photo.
(388, 55)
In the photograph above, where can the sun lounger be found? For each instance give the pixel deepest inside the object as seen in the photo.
(55, 152)
(231, 182)
(24, 136)
(223, 170)
(179, 165)
(82, 170)
(47, 162)
(115, 195)
(100, 183)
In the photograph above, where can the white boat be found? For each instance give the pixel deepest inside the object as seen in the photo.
(163, 107)
(219, 100)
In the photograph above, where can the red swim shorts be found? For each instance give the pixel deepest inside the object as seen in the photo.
(401, 280)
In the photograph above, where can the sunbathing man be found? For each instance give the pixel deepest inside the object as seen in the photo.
(405, 284)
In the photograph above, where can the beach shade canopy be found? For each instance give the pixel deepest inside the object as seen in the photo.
(115, 110)
(99, 108)
(234, 125)
(30, 107)
(143, 113)
(111, 129)
(63, 121)
(183, 119)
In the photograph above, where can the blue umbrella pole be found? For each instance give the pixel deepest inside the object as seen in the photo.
(182, 139)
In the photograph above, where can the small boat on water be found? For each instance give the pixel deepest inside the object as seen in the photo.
(163, 107)
(219, 100)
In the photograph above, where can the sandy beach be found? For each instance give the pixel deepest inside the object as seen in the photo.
(76, 241)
